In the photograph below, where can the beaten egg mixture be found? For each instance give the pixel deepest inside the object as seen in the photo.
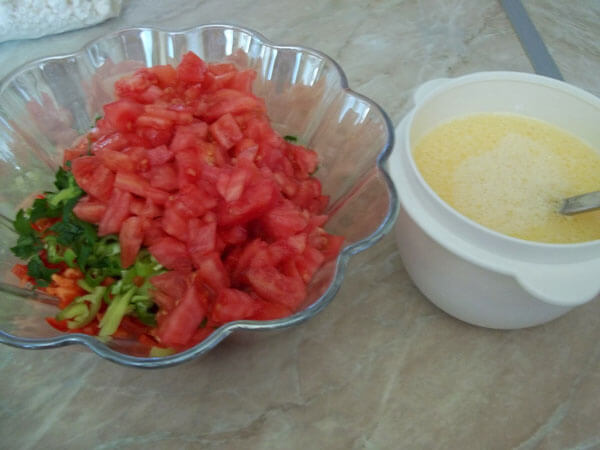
(509, 173)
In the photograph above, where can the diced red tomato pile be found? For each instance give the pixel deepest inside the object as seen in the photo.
(186, 163)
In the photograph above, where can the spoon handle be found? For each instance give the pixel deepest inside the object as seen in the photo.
(581, 203)
(530, 39)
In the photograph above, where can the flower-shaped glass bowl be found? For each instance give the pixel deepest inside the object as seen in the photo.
(45, 105)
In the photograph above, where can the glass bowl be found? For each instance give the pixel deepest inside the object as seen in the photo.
(46, 104)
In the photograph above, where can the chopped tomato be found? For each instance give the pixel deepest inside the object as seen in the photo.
(135, 86)
(115, 141)
(306, 161)
(193, 201)
(172, 282)
(256, 200)
(231, 184)
(180, 324)
(284, 220)
(93, 177)
(171, 253)
(89, 209)
(116, 161)
(221, 68)
(158, 123)
(139, 186)
(174, 223)
(199, 335)
(276, 287)
(233, 304)
(188, 166)
(211, 271)
(78, 150)
(152, 137)
(242, 81)
(212, 154)
(246, 149)
(144, 208)
(186, 163)
(116, 212)
(167, 75)
(153, 232)
(234, 235)
(308, 263)
(122, 114)
(230, 101)
(240, 261)
(133, 327)
(270, 311)
(191, 69)
(187, 136)
(166, 302)
(159, 155)
(329, 244)
(130, 238)
(226, 131)
(213, 82)
(147, 340)
(201, 237)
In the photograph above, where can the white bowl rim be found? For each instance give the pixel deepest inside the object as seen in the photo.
(440, 85)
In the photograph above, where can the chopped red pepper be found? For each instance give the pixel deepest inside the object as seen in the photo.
(60, 325)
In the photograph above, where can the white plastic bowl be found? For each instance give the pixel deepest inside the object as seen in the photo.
(471, 272)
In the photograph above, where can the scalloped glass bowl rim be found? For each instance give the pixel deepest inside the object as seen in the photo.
(225, 330)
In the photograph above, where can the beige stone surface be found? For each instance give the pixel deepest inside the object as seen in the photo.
(380, 367)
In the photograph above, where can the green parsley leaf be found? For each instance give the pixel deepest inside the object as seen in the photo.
(291, 138)
(62, 179)
(38, 270)
(83, 255)
(22, 224)
(27, 246)
(28, 242)
(41, 209)
(67, 231)
(63, 239)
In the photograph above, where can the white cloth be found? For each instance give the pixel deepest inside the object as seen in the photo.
(26, 19)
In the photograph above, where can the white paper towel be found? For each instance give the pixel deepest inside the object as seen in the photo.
(26, 19)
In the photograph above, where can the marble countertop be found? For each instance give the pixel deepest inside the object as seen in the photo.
(380, 367)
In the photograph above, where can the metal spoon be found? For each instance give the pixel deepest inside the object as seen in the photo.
(580, 203)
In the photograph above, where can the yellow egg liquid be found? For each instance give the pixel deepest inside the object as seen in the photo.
(509, 173)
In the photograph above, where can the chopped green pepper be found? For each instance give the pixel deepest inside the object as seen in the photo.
(114, 313)
(157, 352)
(83, 309)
